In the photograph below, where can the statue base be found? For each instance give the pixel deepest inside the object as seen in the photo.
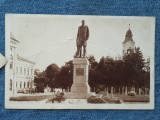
(71, 95)
(80, 86)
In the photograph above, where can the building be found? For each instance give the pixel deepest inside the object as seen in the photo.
(21, 71)
(128, 43)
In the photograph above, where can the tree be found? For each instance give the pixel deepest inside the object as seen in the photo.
(101, 66)
(93, 62)
(40, 81)
(65, 76)
(51, 74)
(134, 72)
(118, 74)
(147, 73)
(107, 67)
(92, 81)
(102, 73)
(69, 66)
(109, 71)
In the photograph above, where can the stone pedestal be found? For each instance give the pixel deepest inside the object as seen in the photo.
(80, 77)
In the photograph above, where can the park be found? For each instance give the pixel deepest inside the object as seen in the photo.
(124, 79)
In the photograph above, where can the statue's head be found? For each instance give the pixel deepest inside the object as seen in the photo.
(83, 22)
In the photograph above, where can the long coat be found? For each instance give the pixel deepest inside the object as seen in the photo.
(83, 35)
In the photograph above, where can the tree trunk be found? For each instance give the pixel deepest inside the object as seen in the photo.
(51, 89)
(111, 91)
(126, 90)
(145, 91)
(105, 89)
(134, 89)
(139, 90)
(114, 89)
(62, 88)
(123, 90)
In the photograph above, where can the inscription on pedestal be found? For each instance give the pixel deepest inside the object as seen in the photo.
(79, 71)
(80, 77)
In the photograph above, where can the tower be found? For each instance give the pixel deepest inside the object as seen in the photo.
(128, 43)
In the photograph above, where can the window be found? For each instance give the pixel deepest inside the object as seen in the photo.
(20, 84)
(24, 84)
(28, 84)
(128, 51)
(11, 62)
(31, 85)
(10, 88)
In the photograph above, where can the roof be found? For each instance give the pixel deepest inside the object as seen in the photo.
(24, 59)
(129, 33)
(13, 38)
(128, 36)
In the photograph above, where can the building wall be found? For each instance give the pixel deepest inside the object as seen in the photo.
(21, 72)
(128, 46)
(24, 76)
(12, 61)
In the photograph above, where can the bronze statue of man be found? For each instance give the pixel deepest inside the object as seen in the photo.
(82, 37)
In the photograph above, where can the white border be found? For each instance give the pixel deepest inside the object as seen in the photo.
(147, 106)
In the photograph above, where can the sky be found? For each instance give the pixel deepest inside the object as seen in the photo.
(47, 39)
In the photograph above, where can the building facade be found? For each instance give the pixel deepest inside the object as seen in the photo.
(21, 71)
(128, 43)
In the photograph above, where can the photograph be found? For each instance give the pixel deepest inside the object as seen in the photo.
(79, 62)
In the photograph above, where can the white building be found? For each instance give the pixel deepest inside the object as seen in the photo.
(21, 71)
(128, 43)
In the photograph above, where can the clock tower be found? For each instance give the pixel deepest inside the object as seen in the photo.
(128, 43)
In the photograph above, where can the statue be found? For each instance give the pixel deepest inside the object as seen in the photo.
(82, 37)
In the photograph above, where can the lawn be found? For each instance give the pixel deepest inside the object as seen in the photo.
(36, 97)
(136, 98)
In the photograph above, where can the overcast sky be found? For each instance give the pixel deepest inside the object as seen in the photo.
(50, 39)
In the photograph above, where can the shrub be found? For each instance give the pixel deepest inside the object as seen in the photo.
(59, 97)
(95, 99)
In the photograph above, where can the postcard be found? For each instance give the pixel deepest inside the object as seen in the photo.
(79, 62)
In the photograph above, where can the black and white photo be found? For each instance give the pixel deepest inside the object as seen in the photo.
(79, 62)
